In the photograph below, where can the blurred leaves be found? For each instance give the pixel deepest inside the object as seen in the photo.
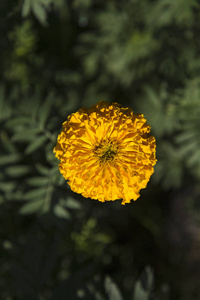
(37, 143)
(24, 39)
(61, 212)
(38, 8)
(89, 240)
(112, 290)
(27, 135)
(126, 60)
(57, 56)
(5, 110)
(16, 171)
(177, 134)
(32, 207)
(144, 286)
(10, 158)
(167, 11)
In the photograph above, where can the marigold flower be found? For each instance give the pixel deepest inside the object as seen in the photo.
(106, 152)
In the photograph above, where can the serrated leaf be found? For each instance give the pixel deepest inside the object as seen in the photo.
(26, 135)
(31, 207)
(15, 171)
(10, 158)
(36, 193)
(37, 181)
(26, 8)
(112, 289)
(36, 144)
(61, 212)
(72, 203)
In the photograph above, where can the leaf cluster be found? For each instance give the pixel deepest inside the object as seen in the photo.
(29, 169)
(57, 56)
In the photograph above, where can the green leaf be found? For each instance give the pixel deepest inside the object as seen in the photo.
(46, 2)
(144, 285)
(7, 186)
(17, 121)
(72, 203)
(7, 143)
(194, 159)
(10, 158)
(31, 207)
(112, 289)
(5, 109)
(26, 8)
(188, 148)
(61, 212)
(140, 293)
(16, 171)
(40, 12)
(45, 109)
(61, 179)
(37, 181)
(50, 156)
(35, 144)
(54, 170)
(43, 170)
(185, 136)
(26, 135)
(17, 195)
(35, 193)
(98, 296)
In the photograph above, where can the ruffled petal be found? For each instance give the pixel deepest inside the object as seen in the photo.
(106, 152)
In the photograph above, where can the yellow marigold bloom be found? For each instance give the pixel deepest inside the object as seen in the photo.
(106, 152)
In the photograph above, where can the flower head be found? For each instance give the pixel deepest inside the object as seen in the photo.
(106, 152)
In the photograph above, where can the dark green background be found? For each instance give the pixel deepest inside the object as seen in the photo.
(57, 56)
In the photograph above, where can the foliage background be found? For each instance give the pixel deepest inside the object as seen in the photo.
(60, 55)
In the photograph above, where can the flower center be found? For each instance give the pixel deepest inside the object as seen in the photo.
(106, 151)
